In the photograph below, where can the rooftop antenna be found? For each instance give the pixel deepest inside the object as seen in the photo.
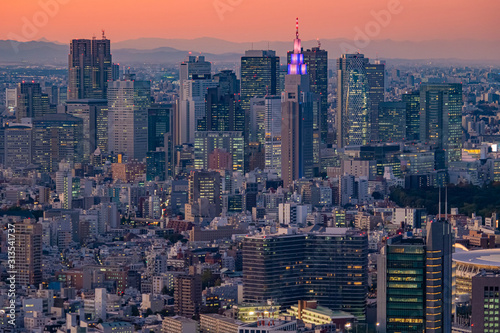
(103, 34)
(297, 28)
(319, 43)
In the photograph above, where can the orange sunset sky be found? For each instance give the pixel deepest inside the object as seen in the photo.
(248, 20)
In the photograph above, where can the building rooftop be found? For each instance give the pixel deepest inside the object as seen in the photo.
(488, 259)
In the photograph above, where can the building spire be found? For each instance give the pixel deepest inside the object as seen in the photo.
(297, 28)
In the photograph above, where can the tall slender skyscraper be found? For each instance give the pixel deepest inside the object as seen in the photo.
(441, 118)
(90, 68)
(353, 101)
(412, 101)
(273, 133)
(297, 105)
(193, 68)
(376, 81)
(128, 104)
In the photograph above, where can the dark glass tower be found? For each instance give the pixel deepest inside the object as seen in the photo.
(401, 285)
(412, 101)
(316, 60)
(392, 121)
(31, 102)
(331, 268)
(90, 68)
(441, 118)
(353, 101)
(376, 82)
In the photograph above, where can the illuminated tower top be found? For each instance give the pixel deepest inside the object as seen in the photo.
(296, 65)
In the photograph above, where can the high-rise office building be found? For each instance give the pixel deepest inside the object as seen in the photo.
(272, 145)
(391, 121)
(223, 112)
(331, 268)
(441, 118)
(90, 68)
(297, 106)
(353, 101)
(94, 113)
(28, 251)
(412, 101)
(257, 119)
(57, 137)
(316, 60)
(485, 303)
(206, 142)
(414, 282)
(401, 285)
(31, 102)
(205, 185)
(227, 81)
(11, 99)
(160, 122)
(128, 103)
(438, 279)
(191, 113)
(18, 145)
(187, 295)
(64, 185)
(259, 75)
(376, 82)
(193, 68)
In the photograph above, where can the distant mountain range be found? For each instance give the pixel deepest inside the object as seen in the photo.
(159, 50)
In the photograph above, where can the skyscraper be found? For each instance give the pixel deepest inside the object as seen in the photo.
(441, 118)
(205, 185)
(160, 122)
(259, 75)
(376, 82)
(412, 101)
(57, 137)
(28, 251)
(353, 101)
(90, 68)
(193, 68)
(297, 105)
(438, 279)
(391, 121)
(223, 112)
(272, 143)
(18, 145)
(401, 285)
(128, 103)
(94, 113)
(31, 102)
(206, 142)
(331, 267)
(414, 286)
(316, 60)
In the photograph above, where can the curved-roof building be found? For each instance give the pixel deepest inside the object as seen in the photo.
(469, 263)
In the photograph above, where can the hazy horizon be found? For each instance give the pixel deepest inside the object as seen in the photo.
(255, 21)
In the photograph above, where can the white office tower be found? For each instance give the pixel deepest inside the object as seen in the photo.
(194, 68)
(292, 213)
(128, 103)
(192, 107)
(100, 303)
(64, 185)
(110, 216)
(272, 123)
(11, 99)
